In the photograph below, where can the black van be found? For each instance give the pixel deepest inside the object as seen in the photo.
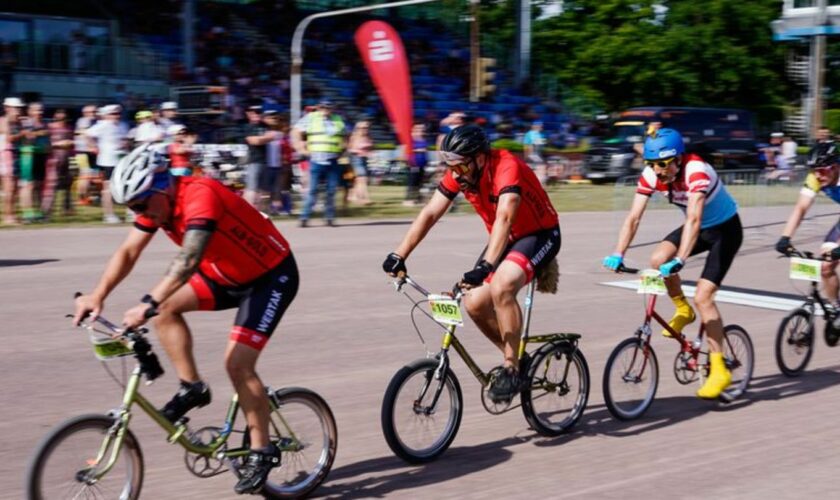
(726, 138)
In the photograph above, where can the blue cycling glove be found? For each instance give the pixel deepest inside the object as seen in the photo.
(613, 262)
(673, 266)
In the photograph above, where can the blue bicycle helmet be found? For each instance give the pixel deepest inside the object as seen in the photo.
(666, 143)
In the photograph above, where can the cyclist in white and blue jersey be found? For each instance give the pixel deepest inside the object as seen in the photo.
(712, 224)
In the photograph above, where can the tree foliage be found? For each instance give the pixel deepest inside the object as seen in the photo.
(621, 53)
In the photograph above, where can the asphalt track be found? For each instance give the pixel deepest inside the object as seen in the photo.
(348, 332)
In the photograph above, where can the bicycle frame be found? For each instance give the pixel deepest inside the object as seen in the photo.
(177, 433)
(451, 340)
(815, 298)
(685, 345)
(650, 313)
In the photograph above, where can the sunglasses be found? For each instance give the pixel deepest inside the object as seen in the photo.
(459, 168)
(824, 170)
(661, 164)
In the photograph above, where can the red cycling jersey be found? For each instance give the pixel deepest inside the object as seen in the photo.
(245, 244)
(505, 173)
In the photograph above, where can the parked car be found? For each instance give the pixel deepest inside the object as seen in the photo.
(724, 137)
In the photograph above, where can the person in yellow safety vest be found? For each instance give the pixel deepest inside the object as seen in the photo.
(324, 144)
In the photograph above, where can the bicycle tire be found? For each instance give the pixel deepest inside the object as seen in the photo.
(36, 483)
(797, 338)
(395, 437)
(651, 367)
(305, 481)
(535, 389)
(745, 359)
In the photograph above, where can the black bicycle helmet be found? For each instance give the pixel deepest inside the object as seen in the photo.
(824, 154)
(466, 141)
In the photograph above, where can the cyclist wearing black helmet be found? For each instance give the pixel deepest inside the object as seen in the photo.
(824, 162)
(524, 239)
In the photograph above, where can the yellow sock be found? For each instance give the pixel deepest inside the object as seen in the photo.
(684, 315)
(719, 378)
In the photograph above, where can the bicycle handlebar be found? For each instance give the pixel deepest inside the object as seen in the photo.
(626, 270)
(149, 362)
(808, 255)
(403, 279)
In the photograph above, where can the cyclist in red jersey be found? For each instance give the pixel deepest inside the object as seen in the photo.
(524, 236)
(231, 257)
(180, 150)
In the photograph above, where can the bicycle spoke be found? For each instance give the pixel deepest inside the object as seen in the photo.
(630, 379)
(556, 399)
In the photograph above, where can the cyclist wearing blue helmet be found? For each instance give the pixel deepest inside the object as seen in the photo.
(712, 224)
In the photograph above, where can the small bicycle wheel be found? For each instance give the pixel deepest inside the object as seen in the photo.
(630, 379)
(795, 342)
(417, 428)
(740, 360)
(557, 389)
(304, 430)
(65, 464)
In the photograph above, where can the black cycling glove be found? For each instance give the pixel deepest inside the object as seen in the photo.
(783, 246)
(394, 265)
(478, 274)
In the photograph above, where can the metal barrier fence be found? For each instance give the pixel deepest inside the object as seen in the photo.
(750, 188)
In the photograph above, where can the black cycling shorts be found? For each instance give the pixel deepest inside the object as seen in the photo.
(531, 252)
(833, 236)
(721, 241)
(261, 303)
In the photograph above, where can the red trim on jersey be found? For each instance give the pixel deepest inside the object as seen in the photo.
(644, 187)
(698, 182)
(522, 261)
(251, 338)
(206, 300)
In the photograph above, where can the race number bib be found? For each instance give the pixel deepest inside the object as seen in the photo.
(108, 349)
(805, 269)
(650, 281)
(445, 310)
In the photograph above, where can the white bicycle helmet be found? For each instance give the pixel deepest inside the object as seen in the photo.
(135, 173)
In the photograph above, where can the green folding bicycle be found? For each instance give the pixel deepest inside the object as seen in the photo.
(97, 456)
(423, 404)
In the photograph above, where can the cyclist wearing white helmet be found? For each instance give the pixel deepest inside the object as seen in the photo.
(231, 257)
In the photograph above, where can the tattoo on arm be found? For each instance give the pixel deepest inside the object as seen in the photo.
(192, 249)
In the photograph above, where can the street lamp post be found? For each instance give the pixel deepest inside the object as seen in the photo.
(297, 46)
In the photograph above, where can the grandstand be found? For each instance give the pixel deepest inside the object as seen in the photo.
(137, 49)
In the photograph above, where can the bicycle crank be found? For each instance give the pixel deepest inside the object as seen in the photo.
(205, 465)
(496, 408)
(685, 368)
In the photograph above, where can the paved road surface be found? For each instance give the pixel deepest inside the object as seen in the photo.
(348, 332)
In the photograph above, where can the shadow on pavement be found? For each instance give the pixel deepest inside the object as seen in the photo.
(597, 420)
(24, 262)
(665, 412)
(392, 474)
(375, 223)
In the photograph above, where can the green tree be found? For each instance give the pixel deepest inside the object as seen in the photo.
(622, 53)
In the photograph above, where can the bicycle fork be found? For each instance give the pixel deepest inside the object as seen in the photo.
(643, 334)
(116, 434)
(439, 375)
